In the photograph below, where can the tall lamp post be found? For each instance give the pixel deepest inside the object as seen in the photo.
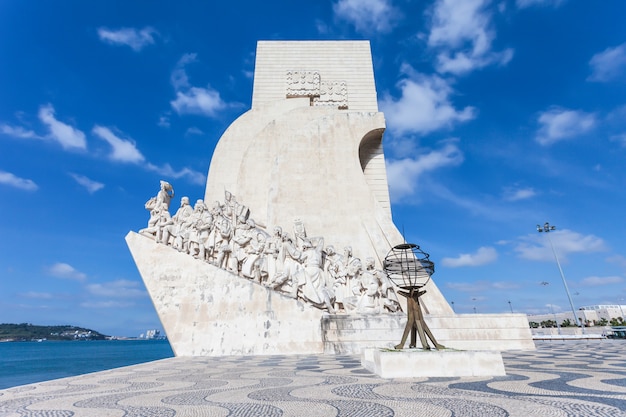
(547, 228)
(510, 306)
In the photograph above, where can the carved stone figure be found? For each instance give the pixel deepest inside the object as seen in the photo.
(272, 250)
(388, 296)
(165, 194)
(253, 265)
(159, 221)
(223, 236)
(178, 231)
(314, 289)
(288, 280)
(335, 276)
(200, 222)
(299, 232)
(368, 287)
(353, 284)
(242, 235)
(155, 206)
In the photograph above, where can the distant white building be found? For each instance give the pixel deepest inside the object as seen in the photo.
(153, 334)
(606, 311)
(587, 314)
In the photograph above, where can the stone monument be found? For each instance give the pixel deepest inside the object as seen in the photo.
(284, 252)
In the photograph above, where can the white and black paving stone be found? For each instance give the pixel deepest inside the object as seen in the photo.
(571, 378)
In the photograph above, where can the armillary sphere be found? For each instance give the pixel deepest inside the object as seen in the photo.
(409, 268)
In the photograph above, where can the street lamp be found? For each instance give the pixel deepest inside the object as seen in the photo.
(548, 228)
(453, 310)
(474, 300)
(510, 306)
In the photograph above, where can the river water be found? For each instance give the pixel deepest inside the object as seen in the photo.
(27, 362)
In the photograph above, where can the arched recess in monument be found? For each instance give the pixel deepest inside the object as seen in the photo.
(372, 161)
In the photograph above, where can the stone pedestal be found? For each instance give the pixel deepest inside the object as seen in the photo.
(416, 363)
(351, 334)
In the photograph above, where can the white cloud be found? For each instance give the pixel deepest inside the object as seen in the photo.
(481, 286)
(403, 175)
(19, 132)
(595, 281)
(517, 194)
(198, 100)
(553, 307)
(118, 289)
(461, 31)
(122, 150)
(90, 185)
(37, 295)
(536, 247)
(460, 63)
(471, 203)
(322, 27)
(621, 139)
(193, 131)
(166, 170)
(193, 100)
(467, 286)
(522, 4)
(609, 64)
(106, 304)
(66, 271)
(424, 105)
(617, 259)
(136, 39)
(14, 181)
(125, 150)
(506, 285)
(68, 136)
(179, 78)
(558, 124)
(484, 255)
(367, 16)
(164, 121)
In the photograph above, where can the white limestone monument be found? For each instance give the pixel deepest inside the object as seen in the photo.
(283, 255)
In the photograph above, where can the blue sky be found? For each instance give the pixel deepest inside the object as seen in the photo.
(500, 115)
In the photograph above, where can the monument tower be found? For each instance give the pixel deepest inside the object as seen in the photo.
(307, 161)
(310, 148)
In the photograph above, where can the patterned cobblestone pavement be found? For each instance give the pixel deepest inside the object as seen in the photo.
(573, 378)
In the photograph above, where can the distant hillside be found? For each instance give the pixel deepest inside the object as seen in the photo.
(27, 331)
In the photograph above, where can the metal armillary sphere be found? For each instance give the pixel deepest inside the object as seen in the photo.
(409, 268)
